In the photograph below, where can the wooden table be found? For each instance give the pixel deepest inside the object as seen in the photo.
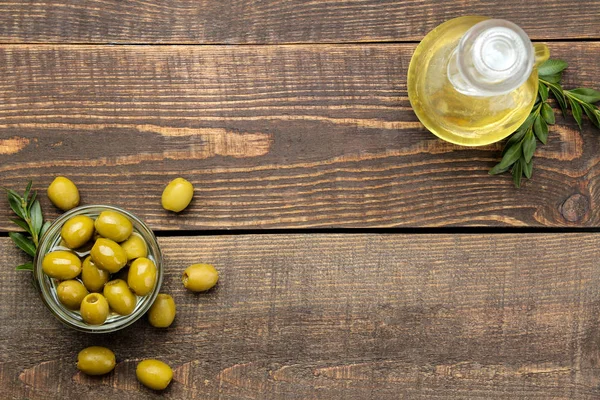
(360, 257)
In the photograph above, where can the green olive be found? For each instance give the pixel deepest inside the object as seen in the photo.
(94, 309)
(200, 277)
(93, 277)
(113, 225)
(96, 360)
(154, 374)
(120, 298)
(61, 265)
(135, 247)
(162, 312)
(77, 231)
(177, 195)
(71, 293)
(63, 193)
(142, 276)
(108, 255)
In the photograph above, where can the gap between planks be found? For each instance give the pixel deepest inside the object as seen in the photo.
(375, 231)
(367, 42)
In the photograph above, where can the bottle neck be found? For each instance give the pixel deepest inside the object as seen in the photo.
(494, 57)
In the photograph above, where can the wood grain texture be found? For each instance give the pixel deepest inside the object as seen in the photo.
(339, 317)
(277, 21)
(273, 137)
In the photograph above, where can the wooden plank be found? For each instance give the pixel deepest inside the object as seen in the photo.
(339, 317)
(272, 137)
(271, 21)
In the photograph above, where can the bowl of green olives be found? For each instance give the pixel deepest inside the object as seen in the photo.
(98, 268)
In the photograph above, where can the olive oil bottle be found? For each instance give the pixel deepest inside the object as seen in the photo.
(473, 80)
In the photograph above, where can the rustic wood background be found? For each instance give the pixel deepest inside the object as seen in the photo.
(293, 117)
(277, 21)
(339, 317)
(290, 136)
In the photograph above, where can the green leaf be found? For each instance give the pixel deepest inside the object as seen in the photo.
(586, 95)
(517, 173)
(577, 112)
(28, 266)
(497, 170)
(23, 224)
(14, 200)
(45, 227)
(511, 155)
(543, 91)
(556, 78)
(528, 122)
(529, 144)
(552, 66)
(516, 137)
(560, 98)
(528, 169)
(548, 114)
(592, 115)
(541, 129)
(23, 242)
(36, 217)
(13, 193)
(519, 133)
(31, 201)
(27, 189)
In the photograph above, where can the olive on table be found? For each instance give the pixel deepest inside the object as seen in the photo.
(94, 309)
(120, 298)
(162, 312)
(177, 195)
(135, 247)
(108, 255)
(154, 374)
(63, 193)
(61, 265)
(93, 277)
(142, 276)
(71, 293)
(113, 225)
(96, 360)
(200, 277)
(77, 231)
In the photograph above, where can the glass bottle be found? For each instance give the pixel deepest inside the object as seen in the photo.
(473, 80)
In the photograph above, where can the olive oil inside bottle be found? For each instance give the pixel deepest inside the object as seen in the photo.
(454, 116)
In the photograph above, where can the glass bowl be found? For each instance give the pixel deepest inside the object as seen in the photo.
(47, 286)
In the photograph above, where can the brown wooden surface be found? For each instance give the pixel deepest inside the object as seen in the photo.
(339, 317)
(273, 137)
(296, 116)
(271, 21)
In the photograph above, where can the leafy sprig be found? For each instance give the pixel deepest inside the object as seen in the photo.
(517, 155)
(30, 219)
